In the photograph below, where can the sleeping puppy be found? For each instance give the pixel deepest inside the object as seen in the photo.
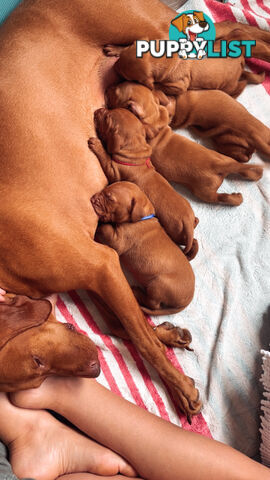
(127, 158)
(177, 158)
(175, 75)
(235, 132)
(156, 262)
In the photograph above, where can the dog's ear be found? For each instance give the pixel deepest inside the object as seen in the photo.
(138, 208)
(19, 313)
(160, 97)
(136, 109)
(178, 23)
(199, 15)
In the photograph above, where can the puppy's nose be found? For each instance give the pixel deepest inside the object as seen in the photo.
(94, 368)
(203, 24)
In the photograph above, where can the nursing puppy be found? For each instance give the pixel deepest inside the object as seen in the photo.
(177, 158)
(156, 262)
(214, 114)
(175, 75)
(127, 158)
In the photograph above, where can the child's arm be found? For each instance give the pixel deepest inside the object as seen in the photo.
(110, 170)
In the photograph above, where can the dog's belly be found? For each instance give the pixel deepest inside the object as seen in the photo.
(48, 174)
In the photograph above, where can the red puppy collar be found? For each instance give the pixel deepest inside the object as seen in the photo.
(147, 163)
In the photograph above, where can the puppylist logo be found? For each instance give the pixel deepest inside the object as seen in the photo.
(192, 35)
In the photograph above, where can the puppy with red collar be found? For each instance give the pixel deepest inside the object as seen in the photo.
(156, 262)
(127, 157)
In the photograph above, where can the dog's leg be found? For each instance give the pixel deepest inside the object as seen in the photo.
(241, 31)
(253, 78)
(240, 153)
(103, 276)
(211, 196)
(262, 48)
(105, 160)
(250, 172)
(167, 333)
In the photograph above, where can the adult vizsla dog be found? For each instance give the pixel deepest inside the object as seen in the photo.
(53, 78)
(177, 158)
(127, 158)
(33, 345)
(156, 262)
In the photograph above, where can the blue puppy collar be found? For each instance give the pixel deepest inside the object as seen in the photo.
(147, 217)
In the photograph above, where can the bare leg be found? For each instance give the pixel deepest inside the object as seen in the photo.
(43, 448)
(157, 449)
(90, 476)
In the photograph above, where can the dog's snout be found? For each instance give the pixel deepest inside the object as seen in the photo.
(94, 368)
(71, 327)
(203, 24)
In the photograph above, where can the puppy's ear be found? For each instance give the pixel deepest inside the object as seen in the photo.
(199, 15)
(136, 109)
(150, 131)
(114, 141)
(160, 97)
(138, 208)
(178, 23)
(19, 313)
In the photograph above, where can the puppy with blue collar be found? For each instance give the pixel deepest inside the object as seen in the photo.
(160, 267)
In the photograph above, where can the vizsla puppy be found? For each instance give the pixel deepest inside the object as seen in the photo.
(34, 345)
(127, 158)
(175, 75)
(235, 133)
(54, 78)
(177, 158)
(156, 262)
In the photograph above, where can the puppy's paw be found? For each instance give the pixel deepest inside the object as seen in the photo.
(112, 50)
(95, 144)
(174, 336)
(254, 173)
(233, 199)
(193, 251)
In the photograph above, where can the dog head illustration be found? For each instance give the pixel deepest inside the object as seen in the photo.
(191, 24)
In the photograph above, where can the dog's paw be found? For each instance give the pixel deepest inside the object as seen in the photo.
(112, 50)
(183, 54)
(94, 144)
(174, 336)
(254, 173)
(233, 199)
(186, 396)
(193, 251)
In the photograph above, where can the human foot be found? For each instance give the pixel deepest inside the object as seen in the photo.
(43, 448)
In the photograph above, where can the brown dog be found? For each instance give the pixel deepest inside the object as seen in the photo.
(175, 75)
(235, 133)
(54, 79)
(156, 262)
(33, 345)
(176, 157)
(128, 159)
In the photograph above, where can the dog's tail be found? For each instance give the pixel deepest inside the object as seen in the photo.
(162, 311)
